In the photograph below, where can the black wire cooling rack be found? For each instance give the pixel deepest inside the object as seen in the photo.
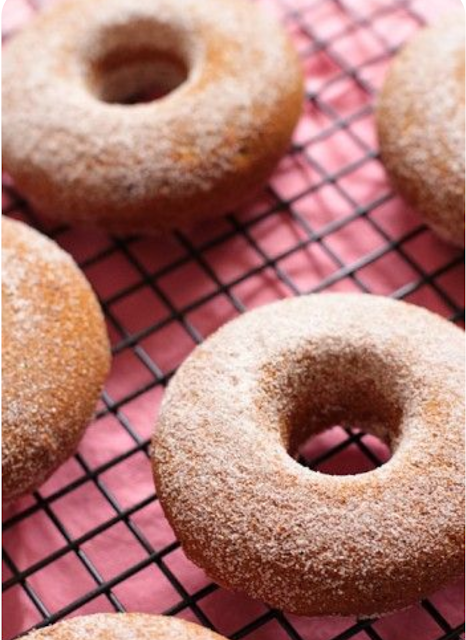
(395, 264)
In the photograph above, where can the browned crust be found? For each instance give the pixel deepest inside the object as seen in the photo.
(221, 179)
(55, 357)
(107, 626)
(420, 122)
(305, 542)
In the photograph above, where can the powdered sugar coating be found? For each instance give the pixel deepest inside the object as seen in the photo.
(124, 626)
(306, 542)
(196, 152)
(55, 357)
(422, 128)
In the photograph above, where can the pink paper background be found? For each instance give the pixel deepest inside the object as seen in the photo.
(207, 293)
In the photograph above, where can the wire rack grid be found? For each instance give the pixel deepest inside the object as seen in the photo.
(93, 538)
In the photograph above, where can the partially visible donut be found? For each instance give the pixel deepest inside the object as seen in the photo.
(124, 626)
(55, 357)
(81, 156)
(420, 120)
(309, 543)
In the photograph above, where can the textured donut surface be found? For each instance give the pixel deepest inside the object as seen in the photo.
(124, 626)
(79, 155)
(309, 543)
(55, 357)
(420, 120)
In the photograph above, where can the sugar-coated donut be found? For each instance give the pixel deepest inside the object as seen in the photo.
(309, 543)
(55, 357)
(124, 626)
(81, 156)
(420, 120)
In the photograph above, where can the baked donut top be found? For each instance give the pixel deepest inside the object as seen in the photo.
(55, 352)
(124, 626)
(421, 120)
(72, 58)
(237, 410)
(429, 98)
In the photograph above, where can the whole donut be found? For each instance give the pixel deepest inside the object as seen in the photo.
(420, 120)
(124, 626)
(313, 544)
(55, 357)
(81, 156)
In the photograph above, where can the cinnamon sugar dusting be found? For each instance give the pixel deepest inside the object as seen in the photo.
(422, 127)
(116, 165)
(306, 542)
(55, 356)
(124, 626)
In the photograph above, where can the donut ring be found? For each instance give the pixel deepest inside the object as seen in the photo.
(305, 542)
(199, 151)
(124, 626)
(55, 357)
(420, 121)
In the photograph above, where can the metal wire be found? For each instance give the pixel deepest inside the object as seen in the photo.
(191, 251)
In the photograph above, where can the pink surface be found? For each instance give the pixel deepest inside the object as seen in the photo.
(274, 259)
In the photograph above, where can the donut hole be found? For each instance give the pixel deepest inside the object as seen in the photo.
(136, 62)
(343, 451)
(140, 76)
(353, 388)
